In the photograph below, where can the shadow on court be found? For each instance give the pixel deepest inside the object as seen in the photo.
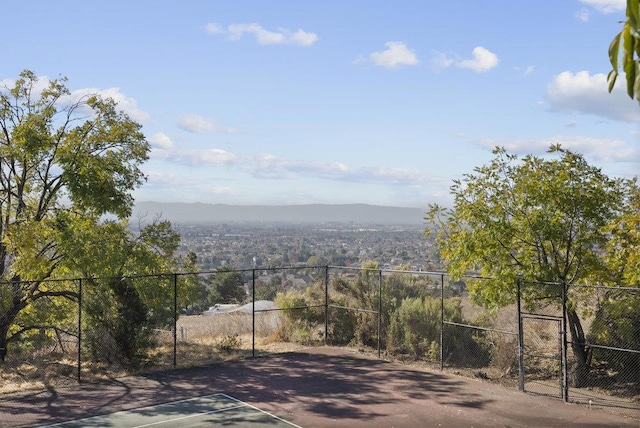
(314, 388)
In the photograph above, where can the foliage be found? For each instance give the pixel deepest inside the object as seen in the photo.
(269, 290)
(227, 286)
(627, 41)
(303, 314)
(192, 291)
(533, 219)
(623, 248)
(68, 165)
(363, 294)
(123, 305)
(229, 343)
(118, 328)
(415, 330)
(617, 325)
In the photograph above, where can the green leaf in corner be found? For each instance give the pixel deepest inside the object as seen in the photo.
(614, 50)
(611, 78)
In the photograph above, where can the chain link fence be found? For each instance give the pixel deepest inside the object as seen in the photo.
(578, 343)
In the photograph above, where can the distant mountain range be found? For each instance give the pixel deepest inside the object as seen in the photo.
(316, 213)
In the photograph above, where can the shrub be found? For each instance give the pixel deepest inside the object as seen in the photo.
(617, 325)
(415, 330)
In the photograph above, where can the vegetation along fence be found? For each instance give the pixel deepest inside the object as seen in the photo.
(580, 343)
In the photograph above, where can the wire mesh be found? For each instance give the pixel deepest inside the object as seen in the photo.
(95, 328)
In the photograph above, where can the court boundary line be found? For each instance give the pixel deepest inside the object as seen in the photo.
(192, 415)
(239, 404)
(260, 410)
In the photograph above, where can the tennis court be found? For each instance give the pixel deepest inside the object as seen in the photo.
(316, 387)
(214, 409)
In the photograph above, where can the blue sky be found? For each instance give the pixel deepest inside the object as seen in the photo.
(336, 101)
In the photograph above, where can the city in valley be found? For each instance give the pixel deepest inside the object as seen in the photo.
(249, 244)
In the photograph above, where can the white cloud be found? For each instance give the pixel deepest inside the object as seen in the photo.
(160, 140)
(583, 15)
(441, 61)
(282, 36)
(585, 93)
(606, 6)
(213, 28)
(483, 60)
(200, 124)
(525, 71)
(397, 53)
(267, 166)
(169, 186)
(596, 149)
(126, 104)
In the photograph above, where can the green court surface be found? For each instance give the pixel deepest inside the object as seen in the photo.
(214, 409)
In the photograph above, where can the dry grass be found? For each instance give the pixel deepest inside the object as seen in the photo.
(200, 340)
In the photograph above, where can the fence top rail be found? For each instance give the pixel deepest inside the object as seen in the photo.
(442, 274)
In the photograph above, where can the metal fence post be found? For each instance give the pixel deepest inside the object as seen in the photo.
(441, 322)
(379, 308)
(79, 330)
(565, 358)
(175, 319)
(520, 338)
(253, 312)
(326, 305)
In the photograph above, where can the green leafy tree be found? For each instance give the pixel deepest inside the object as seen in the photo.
(616, 325)
(541, 220)
(64, 164)
(126, 294)
(269, 290)
(623, 248)
(627, 41)
(316, 260)
(227, 286)
(192, 290)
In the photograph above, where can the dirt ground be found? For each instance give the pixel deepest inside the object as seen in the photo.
(317, 387)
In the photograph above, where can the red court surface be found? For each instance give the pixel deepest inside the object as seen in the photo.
(318, 387)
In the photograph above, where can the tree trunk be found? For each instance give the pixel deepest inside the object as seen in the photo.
(579, 368)
(4, 330)
(6, 319)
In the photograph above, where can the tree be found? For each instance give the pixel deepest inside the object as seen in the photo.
(126, 296)
(269, 290)
(64, 164)
(540, 220)
(192, 291)
(227, 286)
(627, 41)
(623, 248)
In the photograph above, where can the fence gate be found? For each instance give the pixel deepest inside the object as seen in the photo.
(542, 352)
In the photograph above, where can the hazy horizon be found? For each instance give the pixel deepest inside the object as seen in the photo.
(199, 212)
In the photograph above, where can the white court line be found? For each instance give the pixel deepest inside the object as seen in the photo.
(131, 410)
(193, 415)
(260, 410)
(240, 404)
